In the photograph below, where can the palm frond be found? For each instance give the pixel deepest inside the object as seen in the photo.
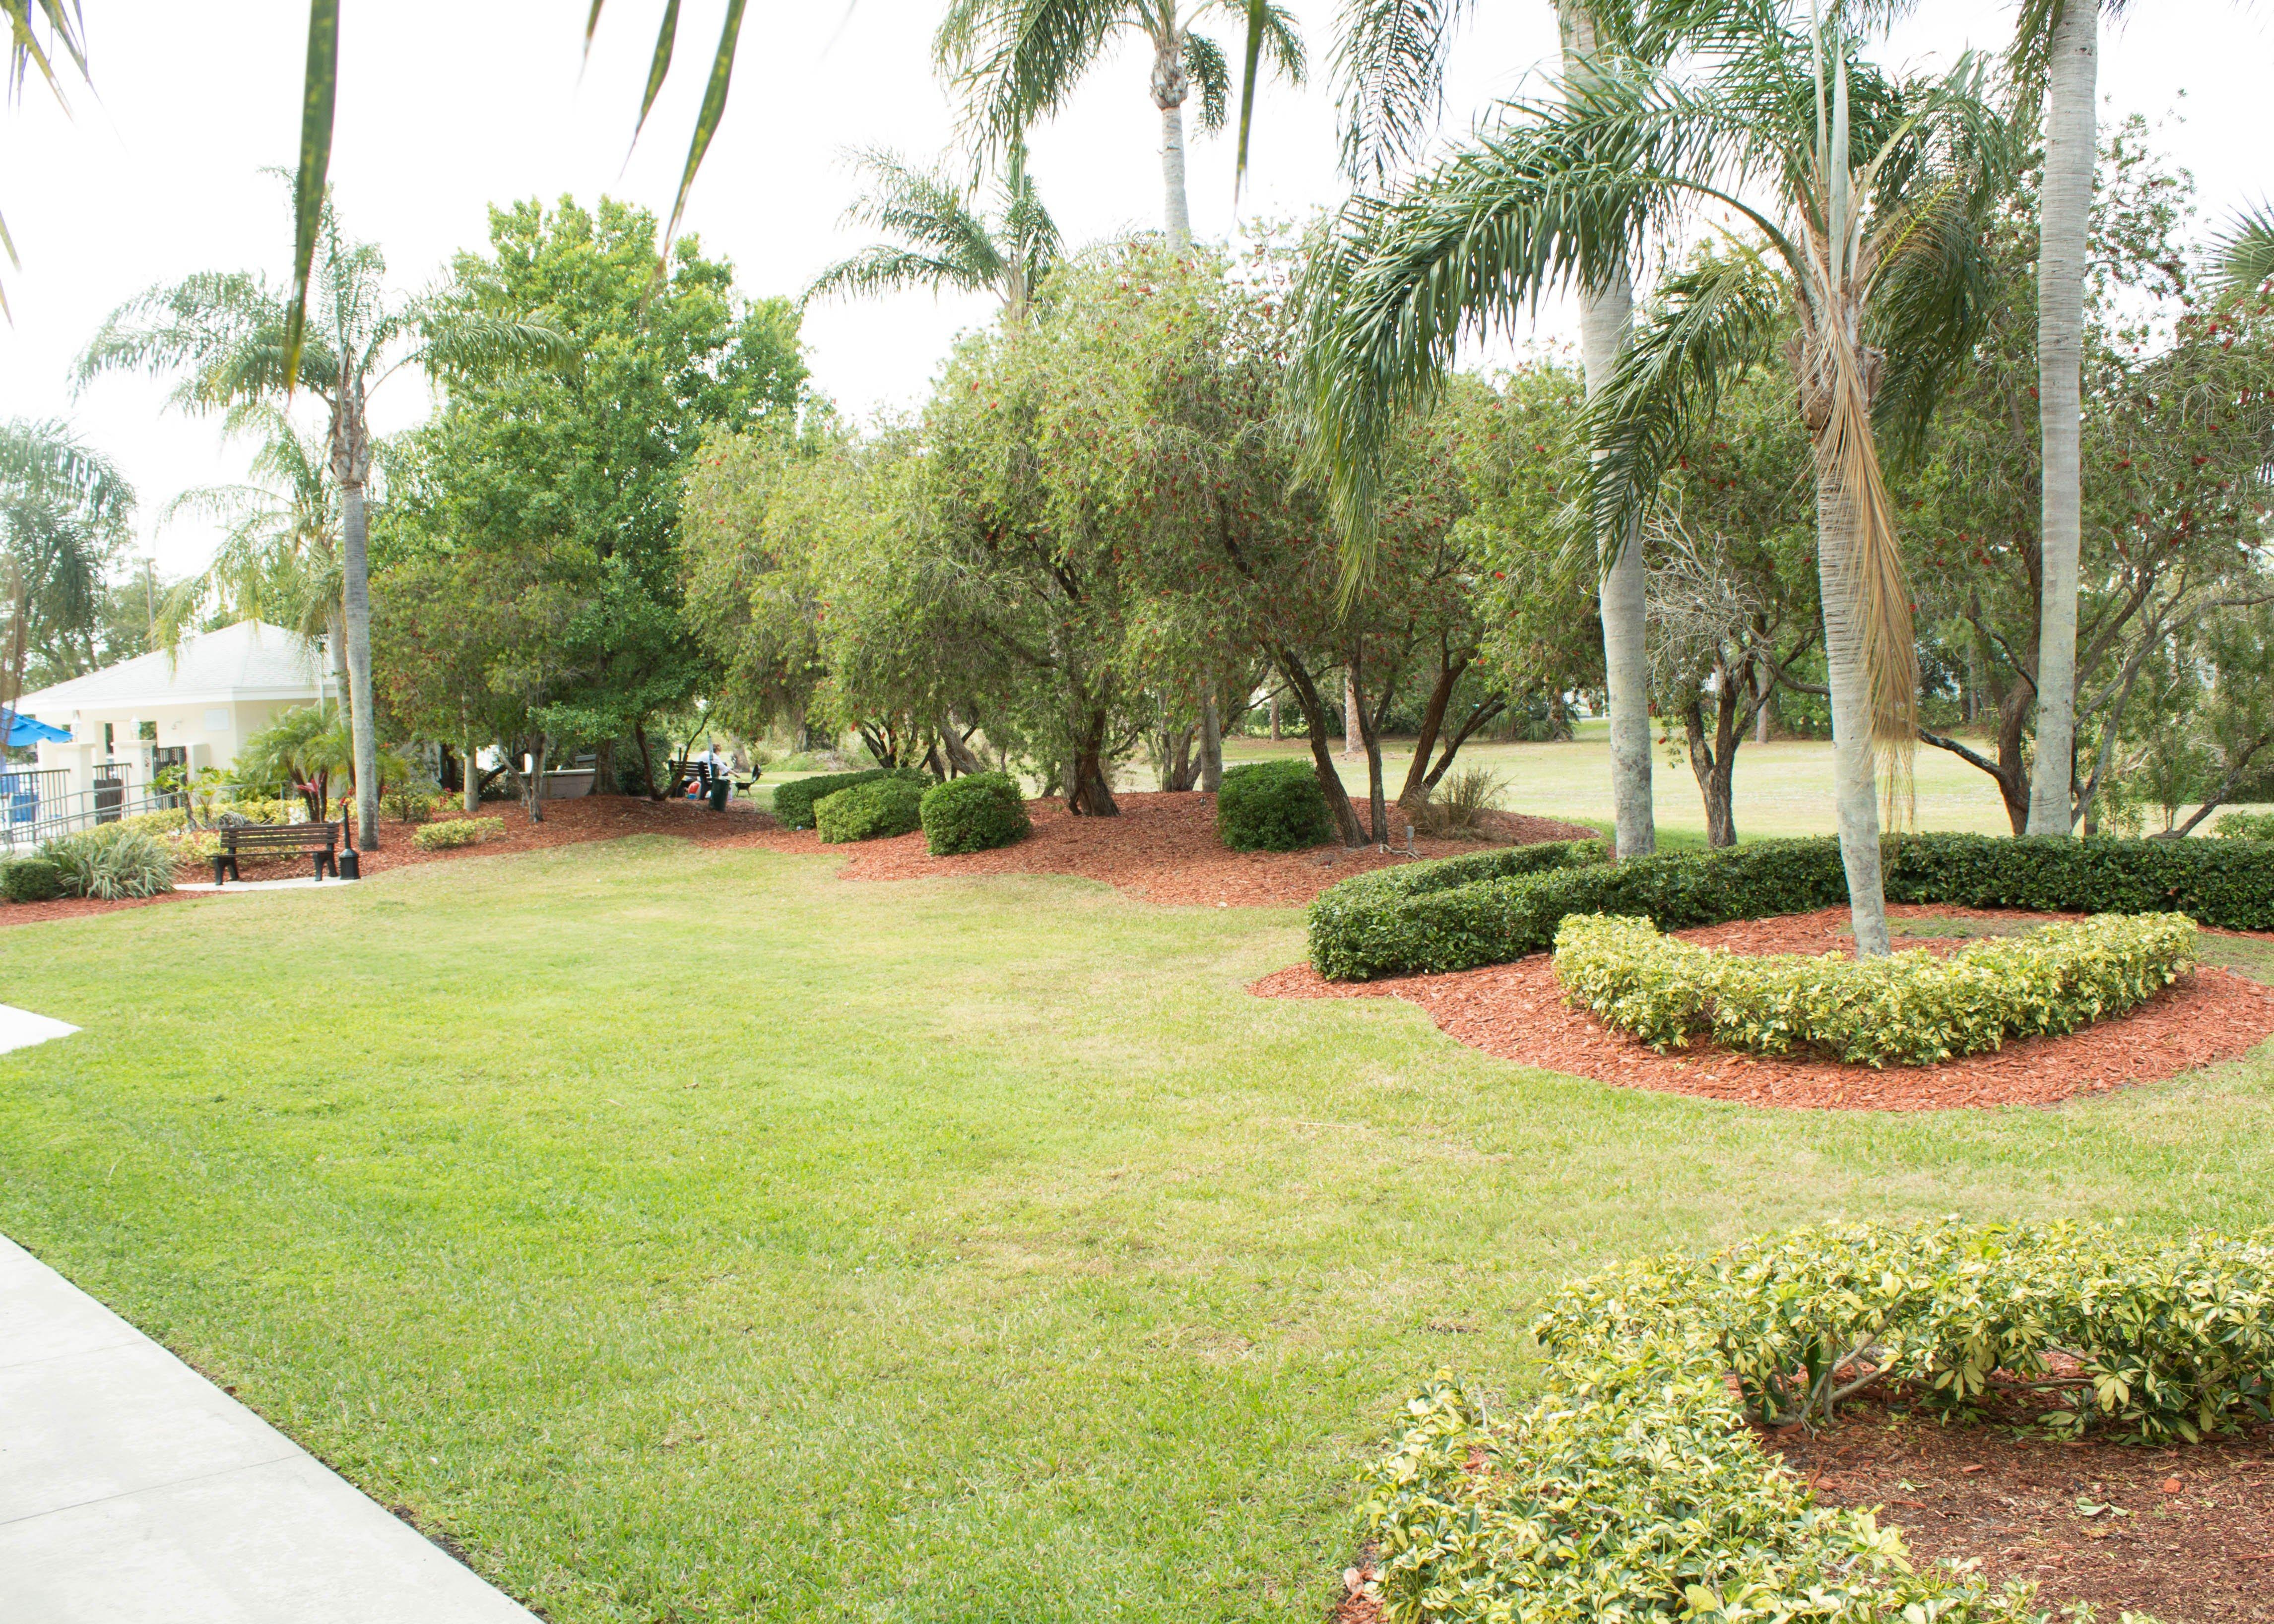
(319, 101)
(1018, 61)
(2244, 252)
(883, 268)
(1390, 73)
(46, 461)
(1727, 311)
(1205, 64)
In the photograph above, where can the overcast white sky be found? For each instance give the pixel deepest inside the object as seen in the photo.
(447, 106)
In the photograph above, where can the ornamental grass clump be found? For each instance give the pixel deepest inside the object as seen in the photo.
(1905, 1009)
(976, 813)
(111, 862)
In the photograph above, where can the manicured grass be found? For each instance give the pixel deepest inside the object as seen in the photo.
(691, 1234)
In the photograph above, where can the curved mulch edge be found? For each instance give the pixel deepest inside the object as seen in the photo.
(1515, 1011)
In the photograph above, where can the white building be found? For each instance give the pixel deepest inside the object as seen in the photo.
(194, 707)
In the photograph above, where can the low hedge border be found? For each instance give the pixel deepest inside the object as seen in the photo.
(1911, 1008)
(31, 879)
(457, 832)
(1631, 1480)
(793, 801)
(1463, 911)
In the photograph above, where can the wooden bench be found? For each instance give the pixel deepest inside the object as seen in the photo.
(317, 840)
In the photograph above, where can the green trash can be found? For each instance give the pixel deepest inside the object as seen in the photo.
(721, 787)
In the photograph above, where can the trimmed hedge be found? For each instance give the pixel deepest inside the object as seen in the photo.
(456, 833)
(1912, 1008)
(973, 814)
(1631, 1485)
(1274, 805)
(31, 879)
(2247, 826)
(871, 811)
(1457, 914)
(793, 801)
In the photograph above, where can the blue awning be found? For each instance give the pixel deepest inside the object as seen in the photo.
(23, 730)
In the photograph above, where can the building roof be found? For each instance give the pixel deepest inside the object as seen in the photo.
(249, 660)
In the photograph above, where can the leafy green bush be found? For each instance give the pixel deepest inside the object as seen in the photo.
(31, 879)
(111, 862)
(1631, 1481)
(876, 810)
(412, 802)
(1274, 805)
(457, 832)
(1414, 919)
(253, 809)
(973, 814)
(2247, 826)
(793, 801)
(1912, 1009)
(164, 820)
(2169, 1337)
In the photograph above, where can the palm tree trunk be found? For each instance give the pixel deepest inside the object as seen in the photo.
(355, 561)
(2071, 70)
(1604, 316)
(1840, 571)
(1172, 176)
(470, 796)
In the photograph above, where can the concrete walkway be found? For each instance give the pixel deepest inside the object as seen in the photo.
(132, 1488)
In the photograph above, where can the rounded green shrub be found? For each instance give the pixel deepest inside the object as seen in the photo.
(793, 801)
(31, 879)
(975, 814)
(871, 811)
(112, 862)
(1273, 806)
(454, 832)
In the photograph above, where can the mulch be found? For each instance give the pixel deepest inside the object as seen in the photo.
(2184, 1532)
(1162, 849)
(1517, 1011)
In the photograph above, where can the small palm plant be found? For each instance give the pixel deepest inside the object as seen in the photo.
(1850, 202)
(941, 240)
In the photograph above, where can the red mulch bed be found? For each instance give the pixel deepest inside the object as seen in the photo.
(2197, 1546)
(1517, 1011)
(1163, 849)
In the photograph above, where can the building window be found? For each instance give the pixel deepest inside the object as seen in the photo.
(108, 742)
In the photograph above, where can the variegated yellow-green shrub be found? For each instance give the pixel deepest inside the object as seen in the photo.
(1907, 1008)
(1630, 1488)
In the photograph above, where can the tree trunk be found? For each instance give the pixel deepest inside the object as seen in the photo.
(960, 761)
(1714, 762)
(2071, 68)
(1180, 219)
(1211, 744)
(1432, 722)
(1275, 718)
(1349, 713)
(355, 567)
(1369, 726)
(533, 792)
(1604, 316)
(1090, 792)
(1322, 752)
(1840, 571)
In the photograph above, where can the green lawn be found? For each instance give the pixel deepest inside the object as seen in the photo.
(690, 1235)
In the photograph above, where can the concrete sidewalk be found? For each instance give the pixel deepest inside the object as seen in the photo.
(132, 1488)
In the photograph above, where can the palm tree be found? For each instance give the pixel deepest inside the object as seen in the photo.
(1863, 195)
(228, 334)
(2061, 41)
(942, 242)
(39, 32)
(2245, 255)
(62, 506)
(279, 557)
(1019, 60)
